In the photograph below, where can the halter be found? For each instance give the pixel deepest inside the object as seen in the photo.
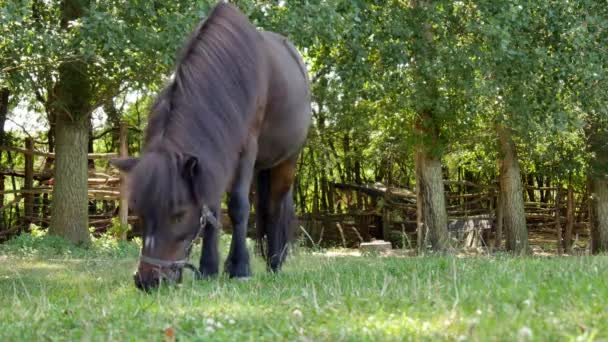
(206, 217)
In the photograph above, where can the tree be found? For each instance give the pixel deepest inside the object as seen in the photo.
(72, 108)
(72, 57)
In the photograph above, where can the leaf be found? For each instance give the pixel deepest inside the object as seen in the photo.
(169, 335)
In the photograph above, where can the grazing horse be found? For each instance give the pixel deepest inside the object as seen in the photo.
(238, 107)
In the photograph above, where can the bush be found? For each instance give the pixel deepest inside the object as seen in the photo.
(37, 243)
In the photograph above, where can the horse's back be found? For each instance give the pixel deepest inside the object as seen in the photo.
(287, 115)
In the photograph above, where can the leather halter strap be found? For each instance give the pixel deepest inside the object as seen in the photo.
(206, 217)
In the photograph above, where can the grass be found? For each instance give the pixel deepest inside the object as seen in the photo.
(50, 291)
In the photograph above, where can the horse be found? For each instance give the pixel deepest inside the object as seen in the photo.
(237, 110)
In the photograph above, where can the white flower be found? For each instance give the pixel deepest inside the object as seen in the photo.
(297, 314)
(525, 333)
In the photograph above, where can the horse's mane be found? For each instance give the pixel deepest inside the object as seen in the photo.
(205, 111)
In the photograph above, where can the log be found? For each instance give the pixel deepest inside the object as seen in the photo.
(104, 181)
(374, 192)
(40, 176)
(473, 195)
(375, 246)
(469, 183)
(34, 191)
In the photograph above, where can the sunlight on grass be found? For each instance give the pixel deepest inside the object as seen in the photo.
(316, 297)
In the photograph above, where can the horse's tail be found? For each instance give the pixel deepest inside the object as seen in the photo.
(274, 218)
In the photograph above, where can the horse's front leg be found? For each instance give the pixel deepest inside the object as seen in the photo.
(237, 263)
(210, 257)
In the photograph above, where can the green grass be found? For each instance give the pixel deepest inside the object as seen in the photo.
(49, 291)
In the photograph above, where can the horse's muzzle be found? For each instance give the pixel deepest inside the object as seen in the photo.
(147, 278)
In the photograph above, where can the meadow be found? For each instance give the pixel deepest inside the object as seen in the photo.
(52, 291)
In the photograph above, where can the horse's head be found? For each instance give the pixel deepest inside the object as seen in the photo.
(162, 196)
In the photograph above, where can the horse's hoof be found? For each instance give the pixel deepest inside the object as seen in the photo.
(238, 271)
(207, 275)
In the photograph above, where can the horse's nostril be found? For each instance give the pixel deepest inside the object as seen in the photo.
(146, 283)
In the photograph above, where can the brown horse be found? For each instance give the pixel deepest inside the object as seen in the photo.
(238, 107)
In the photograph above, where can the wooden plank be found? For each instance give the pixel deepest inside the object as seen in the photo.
(46, 190)
(41, 176)
(25, 191)
(52, 155)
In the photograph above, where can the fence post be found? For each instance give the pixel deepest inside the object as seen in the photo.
(569, 219)
(28, 183)
(558, 224)
(123, 152)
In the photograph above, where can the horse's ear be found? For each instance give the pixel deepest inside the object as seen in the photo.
(124, 164)
(190, 168)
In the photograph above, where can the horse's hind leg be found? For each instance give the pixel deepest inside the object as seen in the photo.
(275, 211)
(237, 263)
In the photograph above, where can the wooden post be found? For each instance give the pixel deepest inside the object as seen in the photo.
(123, 152)
(386, 226)
(569, 220)
(28, 183)
(558, 224)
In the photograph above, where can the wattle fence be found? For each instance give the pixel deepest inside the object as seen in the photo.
(356, 213)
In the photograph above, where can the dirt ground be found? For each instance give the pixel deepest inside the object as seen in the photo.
(542, 243)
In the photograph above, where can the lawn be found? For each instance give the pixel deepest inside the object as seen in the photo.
(49, 291)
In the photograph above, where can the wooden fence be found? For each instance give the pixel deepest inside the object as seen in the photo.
(362, 213)
(356, 213)
(106, 191)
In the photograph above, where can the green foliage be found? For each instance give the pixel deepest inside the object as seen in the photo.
(117, 229)
(538, 67)
(38, 244)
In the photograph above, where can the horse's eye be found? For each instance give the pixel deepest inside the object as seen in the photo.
(178, 217)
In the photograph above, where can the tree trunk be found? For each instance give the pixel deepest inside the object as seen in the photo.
(516, 232)
(123, 151)
(28, 184)
(69, 207)
(499, 220)
(48, 162)
(4, 97)
(530, 181)
(91, 164)
(348, 170)
(599, 214)
(114, 119)
(558, 223)
(539, 181)
(431, 203)
(72, 110)
(315, 192)
(597, 137)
